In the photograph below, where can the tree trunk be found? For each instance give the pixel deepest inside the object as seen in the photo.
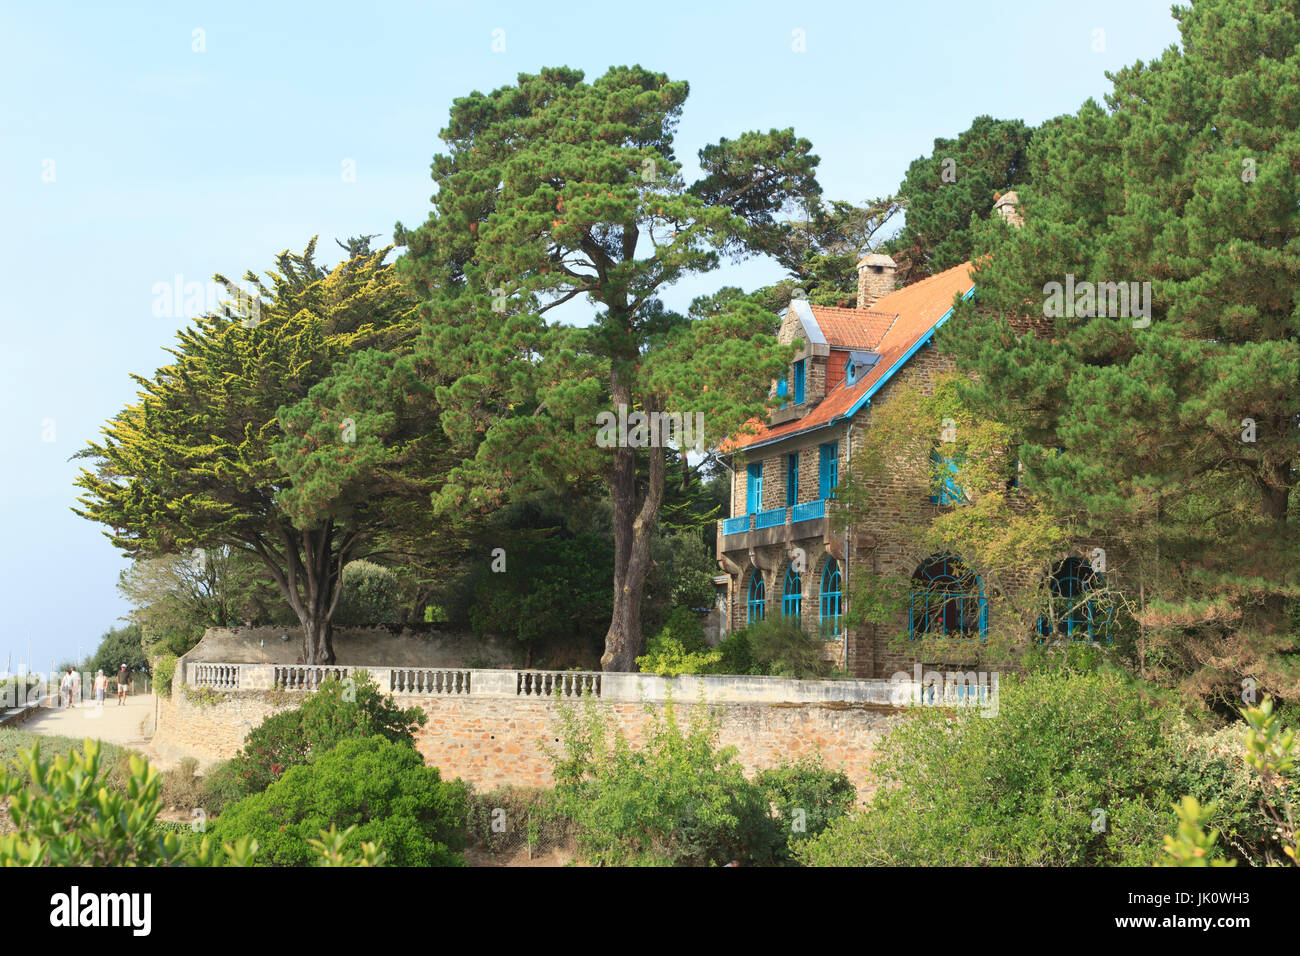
(309, 574)
(634, 524)
(317, 640)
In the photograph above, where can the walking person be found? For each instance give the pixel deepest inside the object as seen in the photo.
(122, 675)
(65, 689)
(101, 685)
(76, 688)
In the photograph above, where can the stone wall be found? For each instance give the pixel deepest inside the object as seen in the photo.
(495, 742)
(211, 726)
(499, 734)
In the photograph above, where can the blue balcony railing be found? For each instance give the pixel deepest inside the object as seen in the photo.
(770, 518)
(736, 525)
(809, 509)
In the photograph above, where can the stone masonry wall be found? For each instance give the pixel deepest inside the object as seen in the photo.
(492, 742)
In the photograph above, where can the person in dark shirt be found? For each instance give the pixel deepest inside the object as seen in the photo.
(122, 675)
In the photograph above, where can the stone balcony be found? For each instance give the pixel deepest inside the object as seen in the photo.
(775, 526)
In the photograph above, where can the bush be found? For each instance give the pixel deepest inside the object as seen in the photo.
(372, 594)
(381, 788)
(164, 669)
(1074, 769)
(115, 760)
(679, 801)
(221, 786)
(782, 648)
(181, 787)
(66, 815)
(806, 796)
(507, 819)
(338, 710)
(737, 655)
(679, 648)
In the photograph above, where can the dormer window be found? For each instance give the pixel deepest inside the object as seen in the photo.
(858, 365)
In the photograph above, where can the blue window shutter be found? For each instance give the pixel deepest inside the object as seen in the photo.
(791, 479)
(754, 487)
(798, 381)
(828, 468)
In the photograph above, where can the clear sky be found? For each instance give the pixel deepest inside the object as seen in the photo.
(134, 149)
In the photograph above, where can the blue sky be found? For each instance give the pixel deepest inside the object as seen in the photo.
(128, 157)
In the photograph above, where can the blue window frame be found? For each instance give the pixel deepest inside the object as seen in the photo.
(791, 479)
(831, 598)
(944, 471)
(754, 488)
(947, 600)
(792, 594)
(756, 605)
(798, 381)
(1072, 613)
(828, 470)
(782, 390)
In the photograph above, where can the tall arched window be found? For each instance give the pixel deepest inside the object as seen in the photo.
(1071, 612)
(792, 594)
(832, 598)
(756, 606)
(947, 600)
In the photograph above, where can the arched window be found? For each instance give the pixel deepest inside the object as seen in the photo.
(831, 598)
(947, 600)
(757, 598)
(792, 594)
(1071, 612)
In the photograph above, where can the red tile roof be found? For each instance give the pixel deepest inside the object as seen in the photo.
(853, 328)
(918, 308)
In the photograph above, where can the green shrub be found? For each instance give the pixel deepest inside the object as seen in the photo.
(737, 655)
(508, 818)
(338, 710)
(372, 594)
(1074, 769)
(115, 760)
(678, 801)
(222, 785)
(65, 815)
(1210, 768)
(679, 648)
(783, 649)
(805, 796)
(381, 788)
(164, 669)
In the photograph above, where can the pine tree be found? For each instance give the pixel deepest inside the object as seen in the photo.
(1176, 424)
(558, 191)
(942, 191)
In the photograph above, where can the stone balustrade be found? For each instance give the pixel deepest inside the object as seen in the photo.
(540, 684)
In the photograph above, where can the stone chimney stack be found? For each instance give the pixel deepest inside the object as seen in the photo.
(1008, 207)
(875, 279)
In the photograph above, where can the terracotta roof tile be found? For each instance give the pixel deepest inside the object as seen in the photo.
(853, 328)
(918, 308)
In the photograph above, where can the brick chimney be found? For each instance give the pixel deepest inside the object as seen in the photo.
(1008, 207)
(875, 279)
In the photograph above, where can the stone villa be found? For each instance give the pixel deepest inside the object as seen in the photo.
(779, 551)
